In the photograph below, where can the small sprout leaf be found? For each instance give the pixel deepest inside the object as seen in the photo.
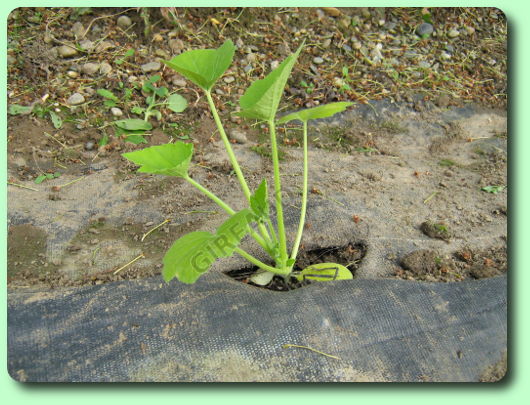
(492, 189)
(262, 98)
(177, 103)
(40, 179)
(203, 66)
(171, 159)
(259, 201)
(322, 111)
(133, 124)
(325, 272)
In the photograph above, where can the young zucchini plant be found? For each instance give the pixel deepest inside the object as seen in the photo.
(193, 254)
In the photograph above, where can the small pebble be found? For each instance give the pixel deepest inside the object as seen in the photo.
(105, 68)
(89, 145)
(124, 22)
(275, 64)
(238, 136)
(86, 44)
(75, 99)
(90, 68)
(151, 67)
(424, 29)
(72, 74)
(116, 112)
(229, 79)
(318, 60)
(453, 33)
(65, 51)
(78, 30)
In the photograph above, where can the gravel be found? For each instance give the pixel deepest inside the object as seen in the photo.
(75, 99)
(151, 67)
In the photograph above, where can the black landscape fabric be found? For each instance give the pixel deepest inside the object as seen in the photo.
(361, 330)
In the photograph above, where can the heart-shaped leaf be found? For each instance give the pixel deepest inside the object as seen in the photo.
(322, 111)
(203, 66)
(193, 254)
(177, 103)
(259, 202)
(262, 98)
(325, 272)
(171, 159)
(133, 124)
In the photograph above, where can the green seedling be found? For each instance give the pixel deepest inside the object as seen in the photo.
(134, 129)
(39, 110)
(193, 254)
(126, 55)
(46, 176)
(492, 189)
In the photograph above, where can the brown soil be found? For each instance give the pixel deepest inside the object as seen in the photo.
(413, 174)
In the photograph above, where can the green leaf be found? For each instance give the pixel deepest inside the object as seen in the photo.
(161, 91)
(177, 103)
(322, 111)
(56, 120)
(203, 66)
(133, 124)
(16, 109)
(109, 95)
(136, 139)
(262, 98)
(325, 272)
(259, 202)
(188, 257)
(104, 140)
(137, 110)
(109, 103)
(492, 189)
(171, 159)
(193, 254)
(40, 179)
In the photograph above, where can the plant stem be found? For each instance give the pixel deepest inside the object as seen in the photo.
(278, 195)
(260, 264)
(304, 199)
(211, 196)
(227, 208)
(228, 147)
(233, 159)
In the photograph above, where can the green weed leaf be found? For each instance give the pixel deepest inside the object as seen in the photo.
(259, 202)
(492, 189)
(56, 120)
(262, 98)
(109, 95)
(193, 254)
(136, 139)
(325, 272)
(171, 159)
(177, 103)
(16, 109)
(40, 179)
(322, 111)
(203, 66)
(133, 124)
